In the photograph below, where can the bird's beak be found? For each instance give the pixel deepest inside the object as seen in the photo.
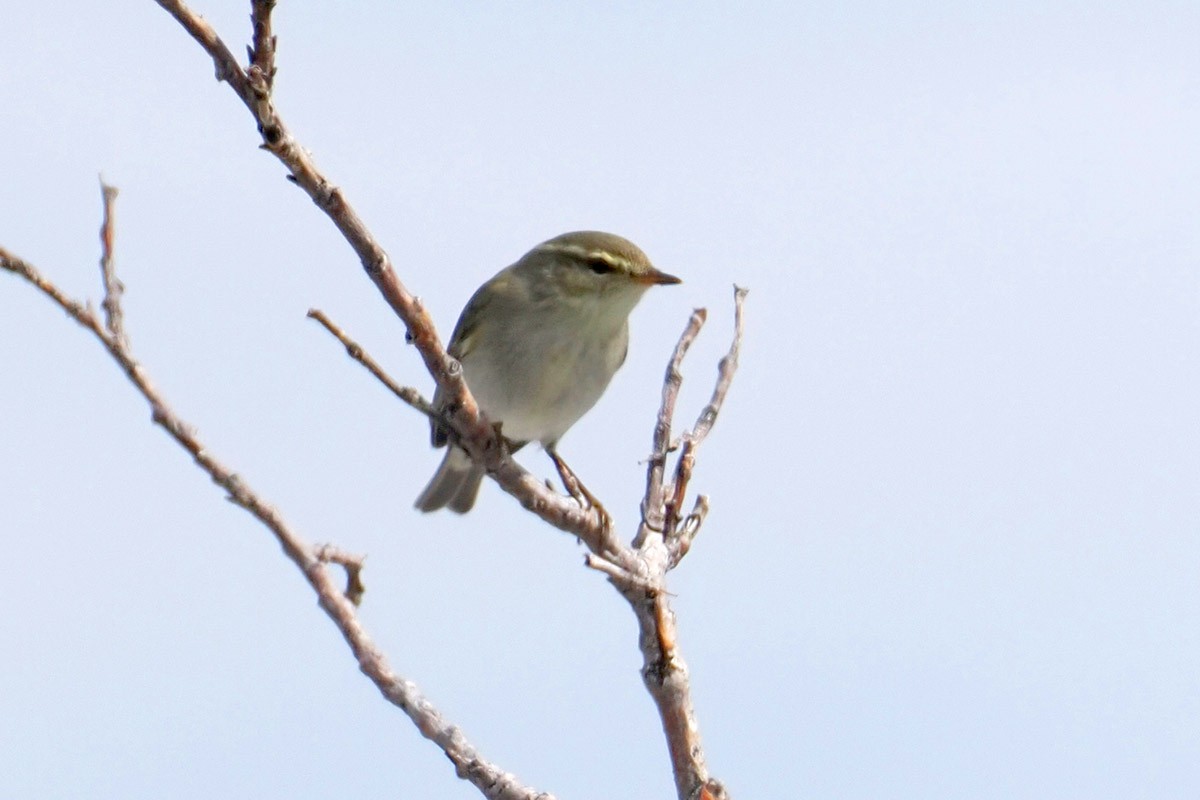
(653, 277)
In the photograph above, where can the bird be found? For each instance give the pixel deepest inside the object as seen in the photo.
(538, 344)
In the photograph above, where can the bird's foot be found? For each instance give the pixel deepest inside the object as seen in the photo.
(578, 491)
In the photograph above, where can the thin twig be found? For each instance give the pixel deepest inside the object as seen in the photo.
(113, 288)
(673, 380)
(328, 554)
(681, 542)
(262, 48)
(405, 393)
(726, 369)
(621, 576)
(652, 502)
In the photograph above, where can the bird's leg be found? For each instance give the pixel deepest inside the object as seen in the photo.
(576, 489)
(510, 445)
(570, 481)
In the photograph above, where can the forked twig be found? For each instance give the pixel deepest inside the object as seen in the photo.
(660, 545)
(686, 462)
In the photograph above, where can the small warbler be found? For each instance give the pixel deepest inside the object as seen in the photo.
(538, 344)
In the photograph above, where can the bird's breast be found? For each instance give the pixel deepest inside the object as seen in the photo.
(539, 374)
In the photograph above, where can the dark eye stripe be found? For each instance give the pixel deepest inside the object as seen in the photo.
(600, 266)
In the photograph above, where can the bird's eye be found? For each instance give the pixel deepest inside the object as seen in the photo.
(600, 266)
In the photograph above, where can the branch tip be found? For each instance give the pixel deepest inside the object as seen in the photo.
(113, 288)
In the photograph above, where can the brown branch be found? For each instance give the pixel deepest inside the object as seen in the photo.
(407, 394)
(492, 781)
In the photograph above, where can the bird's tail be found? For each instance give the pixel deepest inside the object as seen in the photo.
(455, 484)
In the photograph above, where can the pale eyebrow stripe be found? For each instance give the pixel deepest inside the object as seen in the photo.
(611, 259)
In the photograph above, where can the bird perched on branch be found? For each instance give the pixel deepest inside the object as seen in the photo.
(538, 344)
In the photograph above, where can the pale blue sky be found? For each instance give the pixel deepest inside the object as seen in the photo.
(955, 536)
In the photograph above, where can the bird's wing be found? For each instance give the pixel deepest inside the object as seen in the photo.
(499, 289)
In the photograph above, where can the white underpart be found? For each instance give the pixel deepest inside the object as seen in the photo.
(578, 366)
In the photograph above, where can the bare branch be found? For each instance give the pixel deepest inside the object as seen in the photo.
(652, 504)
(277, 139)
(406, 393)
(113, 288)
(228, 69)
(673, 380)
(620, 576)
(681, 542)
(262, 49)
(355, 589)
(665, 675)
(493, 782)
(660, 544)
(726, 369)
